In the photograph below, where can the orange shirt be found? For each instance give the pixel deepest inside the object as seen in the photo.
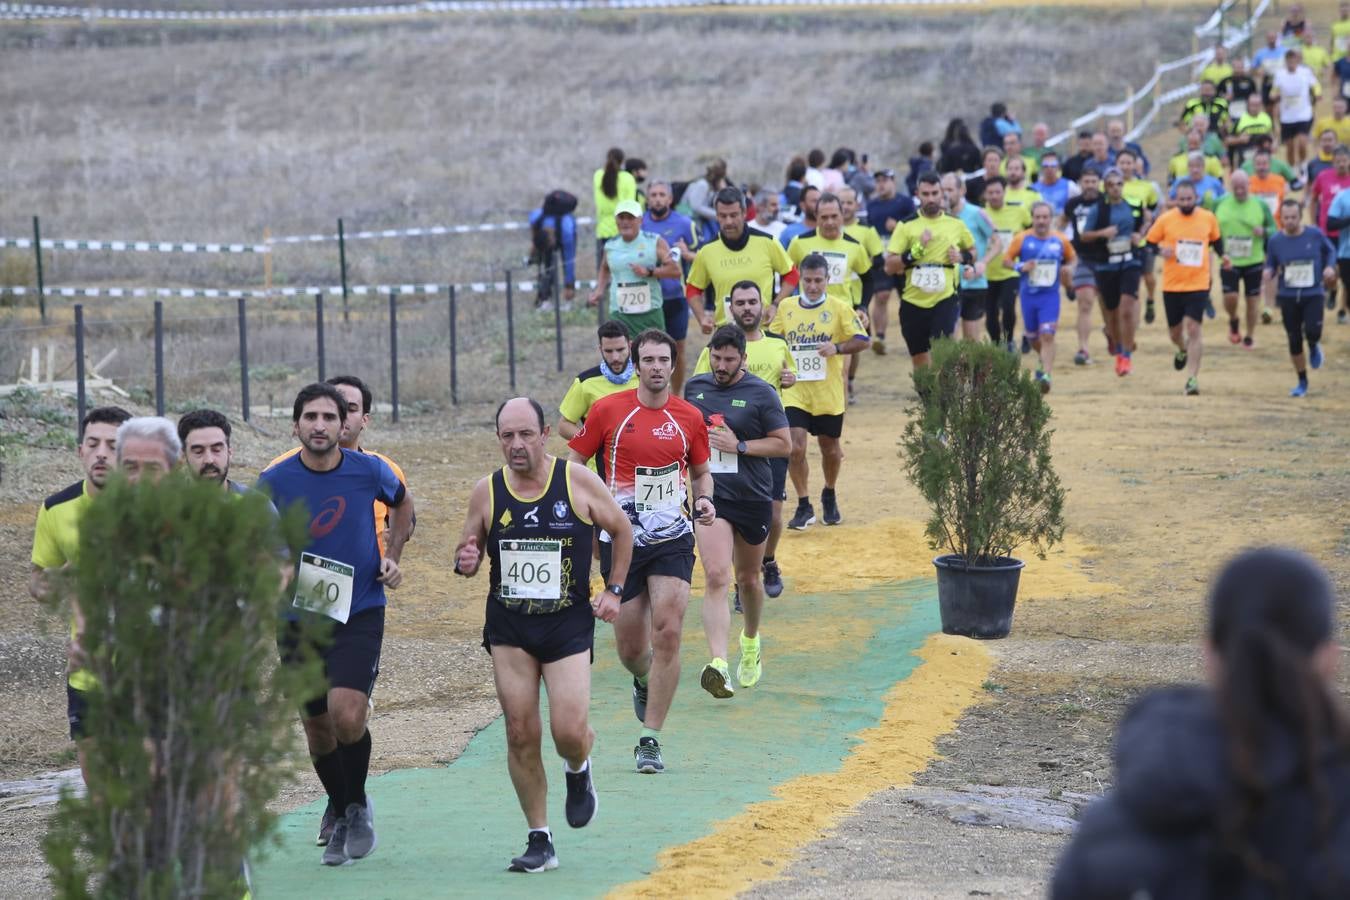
(1188, 237)
(381, 511)
(1270, 191)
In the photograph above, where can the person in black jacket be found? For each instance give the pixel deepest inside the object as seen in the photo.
(1242, 789)
(959, 152)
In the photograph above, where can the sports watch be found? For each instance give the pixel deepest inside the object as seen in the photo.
(616, 590)
(742, 448)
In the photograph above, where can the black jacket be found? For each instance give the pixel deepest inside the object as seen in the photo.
(1157, 835)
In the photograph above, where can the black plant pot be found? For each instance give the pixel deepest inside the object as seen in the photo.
(977, 601)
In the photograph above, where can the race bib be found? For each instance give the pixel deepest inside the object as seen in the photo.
(657, 488)
(838, 263)
(1118, 245)
(1005, 239)
(1239, 247)
(929, 279)
(635, 298)
(720, 463)
(810, 364)
(324, 586)
(1190, 253)
(1045, 274)
(530, 569)
(1299, 274)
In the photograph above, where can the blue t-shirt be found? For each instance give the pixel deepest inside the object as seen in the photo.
(1045, 252)
(1340, 208)
(1208, 189)
(1299, 261)
(982, 229)
(1057, 194)
(900, 208)
(340, 504)
(671, 229)
(792, 231)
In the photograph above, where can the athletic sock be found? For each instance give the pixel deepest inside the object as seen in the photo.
(827, 492)
(1303, 377)
(567, 767)
(330, 771)
(642, 679)
(356, 765)
(544, 831)
(1233, 325)
(654, 733)
(767, 560)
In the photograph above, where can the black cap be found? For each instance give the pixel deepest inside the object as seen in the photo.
(886, 173)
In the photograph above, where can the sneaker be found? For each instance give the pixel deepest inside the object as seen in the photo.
(1081, 358)
(1248, 344)
(1342, 317)
(244, 882)
(1331, 301)
(879, 345)
(1233, 336)
(803, 517)
(852, 396)
(648, 756)
(326, 824)
(773, 579)
(1011, 347)
(546, 306)
(831, 507)
(716, 681)
(582, 802)
(361, 829)
(1192, 387)
(1210, 311)
(639, 700)
(1299, 390)
(1179, 361)
(1044, 379)
(1149, 312)
(1267, 316)
(564, 307)
(1315, 356)
(750, 668)
(1126, 365)
(1026, 345)
(335, 854)
(538, 855)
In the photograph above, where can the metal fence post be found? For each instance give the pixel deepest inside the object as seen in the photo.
(243, 354)
(393, 352)
(159, 357)
(454, 350)
(342, 265)
(510, 333)
(79, 365)
(37, 255)
(318, 331)
(557, 307)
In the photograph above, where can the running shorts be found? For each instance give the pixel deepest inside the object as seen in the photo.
(350, 652)
(674, 557)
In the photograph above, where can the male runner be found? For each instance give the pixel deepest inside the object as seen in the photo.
(746, 428)
(1245, 224)
(1304, 261)
(820, 330)
(1338, 221)
(885, 211)
(1183, 237)
(866, 235)
(205, 437)
(768, 357)
(1044, 258)
(1089, 253)
(1052, 187)
(633, 265)
(534, 518)
(1296, 88)
(651, 441)
(1018, 192)
(1146, 195)
(147, 446)
(679, 233)
(1008, 220)
(340, 585)
(615, 373)
(973, 295)
(737, 254)
(1328, 185)
(1117, 224)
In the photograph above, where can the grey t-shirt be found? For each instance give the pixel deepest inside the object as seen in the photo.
(751, 408)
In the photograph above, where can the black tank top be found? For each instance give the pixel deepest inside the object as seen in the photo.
(540, 549)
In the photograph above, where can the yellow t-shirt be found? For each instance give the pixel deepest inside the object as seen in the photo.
(1033, 167)
(1178, 166)
(819, 389)
(759, 260)
(1340, 126)
(1021, 197)
(1008, 221)
(765, 358)
(625, 189)
(848, 259)
(56, 542)
(1216, 72)
(1340, 38)
(931, 277)
(1316, 58)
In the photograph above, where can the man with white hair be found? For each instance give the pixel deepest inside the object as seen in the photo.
(1115, 141)
(766, 214)
(147, 446)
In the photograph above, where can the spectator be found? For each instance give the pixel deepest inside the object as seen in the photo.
(993, 164)
(1240, 788)
(815, 159)
(836, 173)
(698, 199)
(998, 123)
(1115, 142)
(612, 186)
(959, 152)
(638, 169)
(794, 180)
(919, 164)
(554, 227)
(1073, 166)
(1040, 133)
(766, 214)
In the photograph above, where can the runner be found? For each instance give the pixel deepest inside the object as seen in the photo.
(974, 290)
(1265, 185)
(1017, 193)
(1338, 221)
(746, 429)
(1253, 122)
(651, 441)
(205, 437)
(1245, 224)
(992, 158)
(680, 235)
(1044, 258)
(1183, 237)
(341, 576)
(1325, 189)
(1008, 220)
(885, 211)
(1089, 253)
(768, 357)
(1052, 188)
(1296, 88)
(807, 204)
(737, 254)
(534, 518)
(1147, 196)
(634, 263)
(615, 373)
(1298, 255)
(1117, 225)
(866, 235)
(820, 330)
(56, 545)
(766, 214)
(1012, 150)
(612, 185)
(1325, 157)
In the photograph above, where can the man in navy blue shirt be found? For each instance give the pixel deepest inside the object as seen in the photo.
(1304, 261)
(337, 610)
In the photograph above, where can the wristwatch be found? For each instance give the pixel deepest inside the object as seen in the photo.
(742, 448)
(616, 590)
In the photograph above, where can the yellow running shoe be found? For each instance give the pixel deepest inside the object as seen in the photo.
(750, 669)
(716, 680)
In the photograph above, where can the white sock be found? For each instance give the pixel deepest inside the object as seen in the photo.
(545, 830)
(567, 767)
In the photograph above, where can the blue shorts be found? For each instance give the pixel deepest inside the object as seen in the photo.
(1040, 312)
(676, 311)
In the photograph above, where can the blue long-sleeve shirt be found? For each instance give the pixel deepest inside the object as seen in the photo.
(1299, 260)
(565, 227)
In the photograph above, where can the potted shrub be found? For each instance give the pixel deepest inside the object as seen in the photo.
(977, 446)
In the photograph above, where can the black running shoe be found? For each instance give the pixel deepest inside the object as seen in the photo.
(639, 700)
(831, 507)
(647, 755)
(538, 855)
(1026, 345)
(803, 517)
(327, 824)
(773, 578)
(582, 802)
(1179, 361)
(1149, 313)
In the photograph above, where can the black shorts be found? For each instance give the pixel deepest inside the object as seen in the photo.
(1184, 305)
(778, 465)
(548, 637)
(1301, 316)
(674, 557)
(822, 426)
(350, 652)
(1291, 130)
(1114, 284)
(1146, 255)
(749, 518)
(918, 324)
(77, 706)
(1249, 277)
(973, 301)
(1343, 269)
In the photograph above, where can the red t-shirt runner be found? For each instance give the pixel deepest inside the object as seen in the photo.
(1325, 188)
(647, 453)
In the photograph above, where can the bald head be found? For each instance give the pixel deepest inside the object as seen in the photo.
(1239, 183)
(523, 435)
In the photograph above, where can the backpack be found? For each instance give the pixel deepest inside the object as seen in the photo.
(559, 203)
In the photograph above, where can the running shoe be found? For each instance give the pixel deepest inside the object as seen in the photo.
(803, 517)
(1192, 387)
(1248, 344)
(361, 840)
(1233, 336)
(335, 854)
(1210, 311)
(1081, 358)
(639, 700)
(1179, 361)
(1122, 365)
(852, 396)
(1044, 379)
(1331, 301)
(538, 855)
(582, 802)
(1299, 390)
(1342, 317)
(1267, 316)
(716, 680)
(750, 668)
(647, 754)
(879, 345)
(1149, 313)
(326, 824)
(1315, 356)
(1011, 347)
(831, 507)
(773, 579)
(1026, 345)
